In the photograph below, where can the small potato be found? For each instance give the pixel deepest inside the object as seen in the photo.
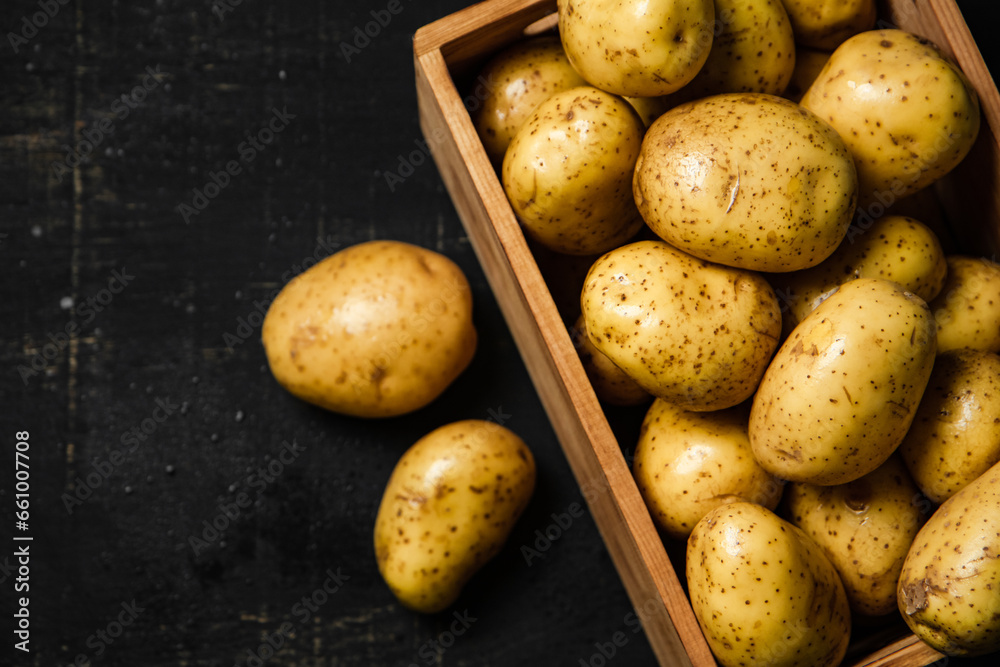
(568, 172)
(967, 310)
(763, 592)
(639, 48)
(449, 506)
(866, 528)
(955, 436)
(688, 463)
(746, 180)
(690, 332)
(375, 330)
(824, 24)
(840, 393)
(753, 52)
(902, 250)
(808, 64)
(649, 108)
(907, 113)
(948, 587)
(611, 384)
(519, 78)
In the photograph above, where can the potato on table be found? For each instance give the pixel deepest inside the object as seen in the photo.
(375, 330)
(448, 508)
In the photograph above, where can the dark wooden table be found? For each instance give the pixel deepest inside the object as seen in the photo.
(166, 166)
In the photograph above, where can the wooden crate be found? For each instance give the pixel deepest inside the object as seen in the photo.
(448, 54)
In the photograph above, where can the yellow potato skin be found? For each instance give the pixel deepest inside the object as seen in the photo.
(906, 112)
(448, 508)
(518, 79)
(638, 48)
(753, 51)
(378, 329)
(825, 24)
(948, 587)
(967, 309)
(844, 387)
(763, 592)
(611, 384)
(688, 463)
(894, 248)
(865, 527)
(746, 180)
(690, 332)
(568, 172)
(955, 436)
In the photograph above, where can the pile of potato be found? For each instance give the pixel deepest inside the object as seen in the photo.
(737, 181)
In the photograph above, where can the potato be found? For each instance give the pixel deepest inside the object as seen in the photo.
(948, 588)
(753, 51)
(840, 393)
(690, 332)
(894, 248)
(763, 592)
(448, 508)
(967, 310)
(519, 78)
(375, 330)
(825, 24)
(611, 384)
(639, 48)
(955, 436)
(649, 108)
(688, 463)
(747, 180)
(568, 172)
(808, 64)
(865, 527)
(907, 112)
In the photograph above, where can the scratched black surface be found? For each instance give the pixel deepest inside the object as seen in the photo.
(179, 342)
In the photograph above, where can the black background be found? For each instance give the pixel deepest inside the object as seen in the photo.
(184, 332)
